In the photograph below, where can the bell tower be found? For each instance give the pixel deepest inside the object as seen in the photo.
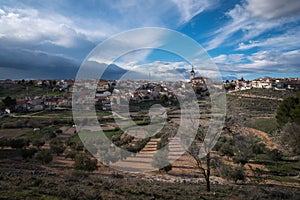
(192, 73)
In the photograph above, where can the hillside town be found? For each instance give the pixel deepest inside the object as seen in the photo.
(143, 90)
(263, 83)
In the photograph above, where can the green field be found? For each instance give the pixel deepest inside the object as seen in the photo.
(20, 91)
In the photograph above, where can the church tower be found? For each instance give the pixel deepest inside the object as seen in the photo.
(192, 74)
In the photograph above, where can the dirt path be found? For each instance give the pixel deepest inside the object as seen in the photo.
(264, 136)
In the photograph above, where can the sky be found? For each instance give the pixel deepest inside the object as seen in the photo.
(244, 38)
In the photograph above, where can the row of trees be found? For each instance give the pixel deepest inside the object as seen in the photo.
(74, 150)
(288, 119)
(9, 103)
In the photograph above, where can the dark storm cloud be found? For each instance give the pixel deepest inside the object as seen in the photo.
(16, 63)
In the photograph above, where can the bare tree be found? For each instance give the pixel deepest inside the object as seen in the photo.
(203, 164)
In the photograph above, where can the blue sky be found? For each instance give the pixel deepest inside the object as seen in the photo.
(50, 39)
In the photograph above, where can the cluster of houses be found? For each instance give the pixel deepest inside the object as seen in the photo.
(263, 83)
(126, 91)
(151, 91)
(39, 102)
(131, 92)
(55, 85)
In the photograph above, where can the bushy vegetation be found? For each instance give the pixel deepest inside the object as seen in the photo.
(288, 118)
(234, 173)
(57, 146)
(289, 111)
(38, 143)
(18, 143)
(28, 153)
(290, 135)
(122, 140)
(137, 146)
(85, 162)
(44, 156)
(70, 154)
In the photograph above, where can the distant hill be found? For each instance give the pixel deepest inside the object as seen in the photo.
(112, 71)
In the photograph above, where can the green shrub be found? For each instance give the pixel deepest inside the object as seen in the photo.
(233, 173)
(240, 159)
(84, 162)
(59, 131)
(237, 174)
(57, 146)
(166, 168)
(275, 155)
(259, 148)
(19, 143)
(44, 156)
(226, 150)
(139, 145)
(290, 134)
(4, 143)
(38, 143)
(28, 153)
(76, 146)
(70, 154)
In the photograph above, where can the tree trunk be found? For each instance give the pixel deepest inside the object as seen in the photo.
(208, 172)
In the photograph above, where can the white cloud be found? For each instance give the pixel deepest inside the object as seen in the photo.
(262, 62)
(231, 58)
(239, 20)
(247, 25)
(25, 25)
(2, 12)
(220, 59)
(130, 59)
(21, 23)
(271, 61)
(289, 58)
(30, 25)
(158, 70)
(286, 41)
(130, 46)
(190, 8)
(271, 9)
(236, 57)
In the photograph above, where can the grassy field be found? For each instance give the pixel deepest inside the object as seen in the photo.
(268, 125)
(18, 91)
